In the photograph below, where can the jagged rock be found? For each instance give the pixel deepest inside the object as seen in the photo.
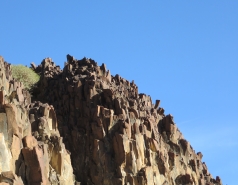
(29, 138)
(85, 126)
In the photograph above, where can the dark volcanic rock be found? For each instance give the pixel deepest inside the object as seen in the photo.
(114, 134)
(88, 127)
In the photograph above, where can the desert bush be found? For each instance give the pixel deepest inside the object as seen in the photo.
(25, 75)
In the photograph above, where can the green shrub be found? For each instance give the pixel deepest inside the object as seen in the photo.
(25, 75)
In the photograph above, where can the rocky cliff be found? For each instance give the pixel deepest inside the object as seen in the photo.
(84, 126)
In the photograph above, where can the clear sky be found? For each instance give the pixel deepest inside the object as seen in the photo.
(184, 53)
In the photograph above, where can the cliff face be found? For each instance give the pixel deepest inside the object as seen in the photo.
(31, 149)
(90, 128)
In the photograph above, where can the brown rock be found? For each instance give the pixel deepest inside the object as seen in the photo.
(30, 142)
(92, 125)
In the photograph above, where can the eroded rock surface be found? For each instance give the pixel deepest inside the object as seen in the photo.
(31, 149)
(88, 127)
(115, 135)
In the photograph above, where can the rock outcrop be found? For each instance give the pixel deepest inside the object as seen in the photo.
(31, 149)
(88, 127)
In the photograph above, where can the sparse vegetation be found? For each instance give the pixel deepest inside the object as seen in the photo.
(25, 75)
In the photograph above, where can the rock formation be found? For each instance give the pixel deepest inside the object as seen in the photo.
(84, 126)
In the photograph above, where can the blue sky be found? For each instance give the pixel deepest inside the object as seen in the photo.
(181, 52)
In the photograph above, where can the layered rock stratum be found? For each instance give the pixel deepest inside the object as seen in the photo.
(83, 126)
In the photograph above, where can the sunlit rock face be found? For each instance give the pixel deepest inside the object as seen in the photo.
(31, 149)
(85, 126)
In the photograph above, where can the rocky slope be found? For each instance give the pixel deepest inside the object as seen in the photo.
(88, 127)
